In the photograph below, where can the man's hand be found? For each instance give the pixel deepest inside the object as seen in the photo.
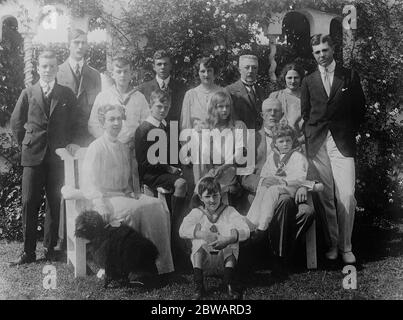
(72, 148)
(207, 236)
(270, 181)
(302, 195)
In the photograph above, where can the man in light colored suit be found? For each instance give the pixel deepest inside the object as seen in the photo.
(44, 119)
(333, 106)
(164, 81)
(82, 79)
(247, 95)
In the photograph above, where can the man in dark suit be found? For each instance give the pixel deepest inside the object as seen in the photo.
(44, 119)
(164, 81)
(292, 217)
(333, 106)
(82, 79)
(246, 94)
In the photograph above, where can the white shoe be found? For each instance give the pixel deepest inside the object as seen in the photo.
(332, 254)
(348, 257)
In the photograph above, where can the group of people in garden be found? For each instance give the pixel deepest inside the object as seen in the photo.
(303, 143)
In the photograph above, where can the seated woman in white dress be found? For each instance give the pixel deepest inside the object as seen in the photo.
(106, 174)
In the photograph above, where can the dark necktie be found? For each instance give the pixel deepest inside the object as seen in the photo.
(251, 93)
(47, 97)
(77, 72)
(164, 86)
(78, 76)
(162, 126)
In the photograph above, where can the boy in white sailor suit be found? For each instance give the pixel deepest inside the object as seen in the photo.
(215, 230)
(287, 167)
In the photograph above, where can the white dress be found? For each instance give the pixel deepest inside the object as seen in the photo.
(106, 171)
(194, 115)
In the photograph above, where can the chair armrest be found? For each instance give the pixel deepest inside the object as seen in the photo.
(70, 193)
(244, 171)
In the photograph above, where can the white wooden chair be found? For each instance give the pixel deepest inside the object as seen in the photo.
(75, 202)
(310, 235)
(76, 247)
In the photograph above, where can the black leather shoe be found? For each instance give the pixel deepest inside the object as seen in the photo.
(49, 254)
(199, 292)
(23, 259)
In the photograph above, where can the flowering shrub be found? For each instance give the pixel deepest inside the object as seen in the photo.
(189, 29)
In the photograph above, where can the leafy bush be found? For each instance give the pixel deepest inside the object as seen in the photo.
(189, 29)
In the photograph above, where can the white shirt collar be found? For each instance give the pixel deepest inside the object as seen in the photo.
(44, 84)
(330, 68)
(160, 81)
(73, 64)
(155, 122)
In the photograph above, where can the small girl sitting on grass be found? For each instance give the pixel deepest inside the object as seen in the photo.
(285, 171)
(215, 230)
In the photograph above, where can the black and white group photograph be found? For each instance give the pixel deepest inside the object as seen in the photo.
(222, 150)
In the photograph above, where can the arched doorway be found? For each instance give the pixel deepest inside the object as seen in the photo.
(296, 29)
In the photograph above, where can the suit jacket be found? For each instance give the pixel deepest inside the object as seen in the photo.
(141, 146)
(36, 131)
(88, 89)
(244, 109)
(250, 182)
(177, 90)
(341, 113)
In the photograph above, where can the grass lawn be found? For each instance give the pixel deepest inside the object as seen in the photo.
(379, 249)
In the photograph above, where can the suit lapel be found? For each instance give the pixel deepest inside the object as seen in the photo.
(317, 79)
(85, 79)
(242, 90)
(66, 77)
(337, 82)
(37, 93)
(55, 99)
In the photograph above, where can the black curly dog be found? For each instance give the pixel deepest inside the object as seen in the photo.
(119, 250)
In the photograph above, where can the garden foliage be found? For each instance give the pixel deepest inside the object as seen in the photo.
(189, 29)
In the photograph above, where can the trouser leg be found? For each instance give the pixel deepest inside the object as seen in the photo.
(323, 165)
(282, 228)
(305, 217)
(343, 170)
(33, 179)
(53, 185)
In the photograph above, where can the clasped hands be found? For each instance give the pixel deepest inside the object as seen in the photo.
(215, 240)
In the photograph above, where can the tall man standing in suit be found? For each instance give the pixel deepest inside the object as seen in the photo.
(246, 94)
(333, 106)
(82, 79)
(164, 81)
(44, 119)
